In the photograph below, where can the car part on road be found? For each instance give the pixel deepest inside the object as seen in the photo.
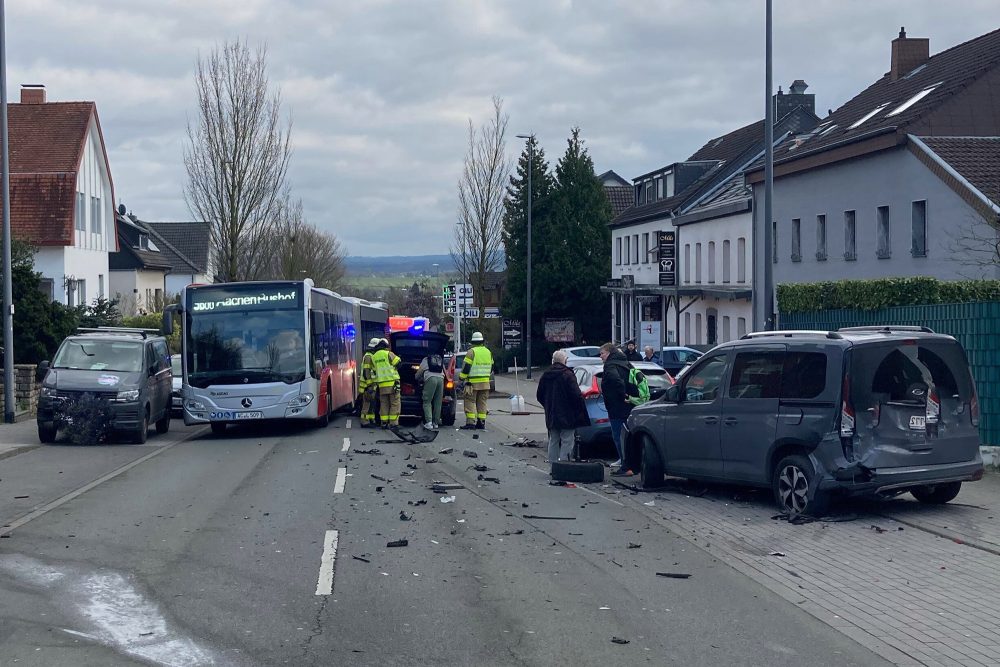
(448, 499)
(574, 471)
(360, 558)
(619, 640)
(495, 480)
(673, 575)
(398, 543)
(441, 487)
(471, 454)
(375, 451)
(558, 518)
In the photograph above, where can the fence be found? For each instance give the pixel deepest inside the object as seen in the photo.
(975, 325)
(25, 390)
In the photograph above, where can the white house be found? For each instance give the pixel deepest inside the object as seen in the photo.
(61, 193)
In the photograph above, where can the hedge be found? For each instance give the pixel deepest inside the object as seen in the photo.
(882, 293)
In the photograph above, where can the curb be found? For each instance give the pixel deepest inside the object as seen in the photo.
(20, 449)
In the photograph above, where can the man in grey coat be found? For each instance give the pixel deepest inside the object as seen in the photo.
(565, 410)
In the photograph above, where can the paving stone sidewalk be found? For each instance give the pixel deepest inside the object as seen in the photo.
(17, 438)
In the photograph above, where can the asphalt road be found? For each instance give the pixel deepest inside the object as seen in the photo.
(212, 551)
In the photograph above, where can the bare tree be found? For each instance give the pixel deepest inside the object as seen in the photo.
(478, 245)
(237, 158)
(976, 246)
(301, 250)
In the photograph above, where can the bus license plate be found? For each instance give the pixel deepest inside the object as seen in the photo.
(256, 414)
(918, 422)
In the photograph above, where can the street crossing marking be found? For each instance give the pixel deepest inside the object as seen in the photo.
(338, 486)
(348, 423)
(324, 586)
(347, 445)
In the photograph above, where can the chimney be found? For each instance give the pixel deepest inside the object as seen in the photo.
(795, 97)
(32, 93)
(908, 53)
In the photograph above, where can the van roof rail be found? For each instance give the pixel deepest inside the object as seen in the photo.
(790, 333)
(120, 330)
(888, 328)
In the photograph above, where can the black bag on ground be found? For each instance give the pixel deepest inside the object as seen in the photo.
(578, 471)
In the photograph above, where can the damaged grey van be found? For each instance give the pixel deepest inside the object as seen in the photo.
(812, 414)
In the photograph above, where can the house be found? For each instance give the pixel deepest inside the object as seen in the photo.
(187, 245)
(703, 297)
(61, 193)
(899, 181)
(138, 270)
(619, 192)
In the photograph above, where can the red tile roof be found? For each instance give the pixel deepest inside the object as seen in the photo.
(46, 146)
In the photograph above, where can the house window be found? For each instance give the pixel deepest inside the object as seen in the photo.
(711, 261)
(725, 261)
(618, 251)
(850, 236)
(158, 298)
(697, 262)
(81, 292)
(687, 262)
(726, 332)
(638, 194)
(697, 328)
(659, 188)
(741, 259)
(81, 212)
(883, 242)
(796, 240)
(149, 298)
(687, 328)
(95, 215)
(46, 286)
(741, 327)
(645, 248)
(918, 243)
(821, 238)
(628, 250)
(774, 241)
(100, 286)
(649, 191)
(635, 248)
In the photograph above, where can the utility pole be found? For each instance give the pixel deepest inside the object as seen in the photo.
(527, 335)
(8, 295)
(768, 291)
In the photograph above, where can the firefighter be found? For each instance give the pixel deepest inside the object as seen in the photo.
(476, 374)
(387, 379)
(367, 385)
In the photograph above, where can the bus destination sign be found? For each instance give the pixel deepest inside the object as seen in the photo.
(228, 300)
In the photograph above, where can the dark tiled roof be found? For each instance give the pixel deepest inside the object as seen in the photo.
(190, 240)
(664, 207)
(731, 191)
(611, 174)
(954, 70)
(977, 159)
(729, 146)
(494, 279)
(620, 197)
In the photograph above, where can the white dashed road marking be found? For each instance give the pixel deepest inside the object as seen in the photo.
(325, 584)
(338, 486)
(348, 423)
(347, 445)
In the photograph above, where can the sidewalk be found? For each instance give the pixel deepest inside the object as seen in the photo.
(19, 437)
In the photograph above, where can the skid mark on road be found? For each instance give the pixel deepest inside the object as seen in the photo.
(324, 585)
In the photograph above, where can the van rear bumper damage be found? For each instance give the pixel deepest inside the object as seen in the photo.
(858, 479)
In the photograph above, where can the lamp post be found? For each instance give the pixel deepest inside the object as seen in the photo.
(8, 296)
(769, 323)
(531, 150)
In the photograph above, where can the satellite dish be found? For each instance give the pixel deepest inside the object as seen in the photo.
(121, 209)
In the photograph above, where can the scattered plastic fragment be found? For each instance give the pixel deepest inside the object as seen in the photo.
(562, 518)
(633, 545)
(471, 454)
(651, 503)
(361, 558)
(495, 480)
(618, 640)
(779, 554)
(673, 575)
(398, 543)
(448, 499)
(373, 451)
(446, 450)
(422, 501)
(403, 516)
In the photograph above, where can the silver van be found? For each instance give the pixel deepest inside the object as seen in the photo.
(810, 414)
(130, 368)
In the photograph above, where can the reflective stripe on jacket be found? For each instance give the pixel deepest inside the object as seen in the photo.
(385, 362)
(367, 376)
(477, 365)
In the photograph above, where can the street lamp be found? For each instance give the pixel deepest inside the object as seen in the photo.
(8, 296)
(531, 149)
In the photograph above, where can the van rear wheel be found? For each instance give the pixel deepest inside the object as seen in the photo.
(937, 494)
(793, 484)
(651, 473)
(163, 423)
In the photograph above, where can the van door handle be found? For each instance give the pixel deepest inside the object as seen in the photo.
(711, 420)
(730, 421)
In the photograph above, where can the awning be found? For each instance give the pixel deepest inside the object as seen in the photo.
(722, 292)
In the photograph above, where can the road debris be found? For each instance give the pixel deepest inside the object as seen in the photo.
(479, 467)
(403, 516)
(651, 503)
(412, 466)
(422, 501)
(471, 454)
(779, 554)
(381, 479)
(448, 499)
(633, 545)
(558, 518)
(515, 532)
(361, 558)
(441, 487)
(524, 442)
(618, 640)
(447, 450)
(398, 543)
(878, 529)
(559, 482)
(406, 473)
(495, 480)
(374, 451)
(673, 575)
(432, 460)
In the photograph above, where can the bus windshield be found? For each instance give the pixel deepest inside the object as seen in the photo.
(246, 334)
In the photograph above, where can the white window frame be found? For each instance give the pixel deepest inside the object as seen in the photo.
(711, 262)
(883, 233)
(697, 262)
(726, 261)
(920, 206)
(821, 238)
(741, 259)
(850, 235)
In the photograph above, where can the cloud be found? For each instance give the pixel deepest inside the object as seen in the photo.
(380, 91)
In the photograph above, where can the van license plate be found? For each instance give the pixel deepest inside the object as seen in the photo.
(257, 414)
(918, 422)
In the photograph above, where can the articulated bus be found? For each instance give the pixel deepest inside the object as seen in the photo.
(269, 350)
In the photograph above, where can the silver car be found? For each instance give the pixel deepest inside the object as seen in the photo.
(582, 355)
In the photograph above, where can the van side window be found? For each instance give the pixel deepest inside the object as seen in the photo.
(804, 375)
(703, 383)
(163, 355)
(757, 375)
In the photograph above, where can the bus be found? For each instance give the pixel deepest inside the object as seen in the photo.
(370, 318)
(268, 350)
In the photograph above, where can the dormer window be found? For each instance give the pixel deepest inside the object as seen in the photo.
(143, 242)
(913, 100)
(649, 191)
(868, 115)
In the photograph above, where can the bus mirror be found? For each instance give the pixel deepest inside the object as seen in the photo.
(168, 319)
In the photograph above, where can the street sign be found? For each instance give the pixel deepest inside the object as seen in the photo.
(511, 333)
(470, 313)
(491, 312)
(667, 242)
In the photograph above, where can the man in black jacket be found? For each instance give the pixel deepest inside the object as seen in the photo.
(565, 410)
(615, 391)
(631, 353)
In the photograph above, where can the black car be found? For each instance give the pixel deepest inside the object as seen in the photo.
(411, 347)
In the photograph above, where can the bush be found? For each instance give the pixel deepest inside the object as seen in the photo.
(882, 293)
(88, 419)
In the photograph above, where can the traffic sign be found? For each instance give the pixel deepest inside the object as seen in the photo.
(491, 312)
(511, 333)
(667, 242)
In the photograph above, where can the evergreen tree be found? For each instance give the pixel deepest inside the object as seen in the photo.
(515, 233)
(574, 246)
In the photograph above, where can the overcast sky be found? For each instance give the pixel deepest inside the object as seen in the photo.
(380, 92)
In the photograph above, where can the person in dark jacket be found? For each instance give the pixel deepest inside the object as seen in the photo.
(565, 410)
(615, 391)
(631, 353)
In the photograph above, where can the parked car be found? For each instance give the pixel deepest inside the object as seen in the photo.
(582, 355)
(675, 359)
(589, 379)
(128, 367)
(176, 399)
(861, 411)
(412, 346)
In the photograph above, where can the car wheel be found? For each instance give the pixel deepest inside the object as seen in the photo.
(218, 428)
(163, 425)
(651, 473)
(324, 420)
(937, 494)
(142, 431)
(46, 433)
(448, 416)
(793, 483)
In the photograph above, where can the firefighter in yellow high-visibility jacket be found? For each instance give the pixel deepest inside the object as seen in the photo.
(475, 372)
(367, 386)
(387, 380)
